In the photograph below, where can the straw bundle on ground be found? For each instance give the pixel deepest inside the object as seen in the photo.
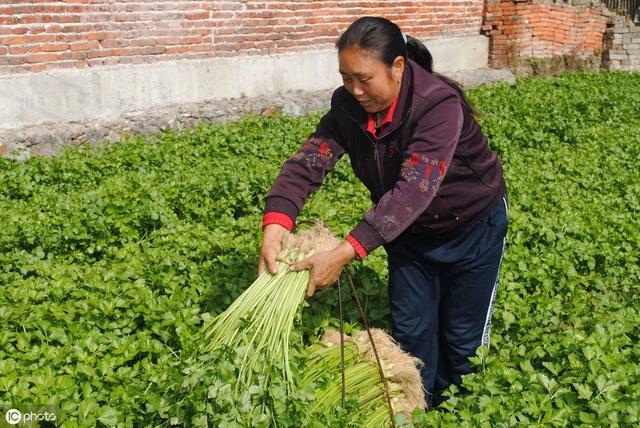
(363, 383)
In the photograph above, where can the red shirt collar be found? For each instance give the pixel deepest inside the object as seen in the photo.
(371, 124)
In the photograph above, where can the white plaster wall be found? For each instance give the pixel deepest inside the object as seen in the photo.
(109, 92)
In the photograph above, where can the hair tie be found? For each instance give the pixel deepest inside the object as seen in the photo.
(404, 37)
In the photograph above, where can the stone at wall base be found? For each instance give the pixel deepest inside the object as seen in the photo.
(531, 66)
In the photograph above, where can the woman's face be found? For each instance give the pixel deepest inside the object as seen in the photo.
(374, 84)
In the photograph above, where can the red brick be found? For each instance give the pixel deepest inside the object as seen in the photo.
(100, 36)
(84, 46)
(54, 47)
(41, 57)
(75, 55)
(18, 50)
(14, 40)
(39, 38)
(37, 30)
(99, 53)
(114, 43)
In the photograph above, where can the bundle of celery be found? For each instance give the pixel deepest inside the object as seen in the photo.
(364, 387)
(260, 322)
(257, 371)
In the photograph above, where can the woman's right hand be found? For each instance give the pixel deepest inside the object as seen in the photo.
(272, 237)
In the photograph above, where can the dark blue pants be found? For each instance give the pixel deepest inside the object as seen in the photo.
(441, 296)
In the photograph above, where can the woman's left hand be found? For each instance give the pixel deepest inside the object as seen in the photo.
(325, 266)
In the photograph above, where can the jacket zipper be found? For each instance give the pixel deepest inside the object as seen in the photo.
(374, 144)
(375, 152)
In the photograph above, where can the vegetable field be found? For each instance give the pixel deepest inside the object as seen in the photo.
(112, 260)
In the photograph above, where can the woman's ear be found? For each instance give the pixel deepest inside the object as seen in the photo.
(397, 68)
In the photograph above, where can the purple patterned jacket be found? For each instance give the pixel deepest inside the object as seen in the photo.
(430, 172)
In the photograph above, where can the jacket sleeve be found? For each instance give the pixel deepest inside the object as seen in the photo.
(303, 173)
(425, 164)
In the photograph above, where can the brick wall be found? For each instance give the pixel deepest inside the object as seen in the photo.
(41, 35)
(543, 29)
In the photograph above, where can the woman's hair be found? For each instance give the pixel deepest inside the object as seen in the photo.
(384, 38)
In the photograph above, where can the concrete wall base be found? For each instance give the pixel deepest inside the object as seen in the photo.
(107, 93)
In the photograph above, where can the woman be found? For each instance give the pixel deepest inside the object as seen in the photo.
(438, 192)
